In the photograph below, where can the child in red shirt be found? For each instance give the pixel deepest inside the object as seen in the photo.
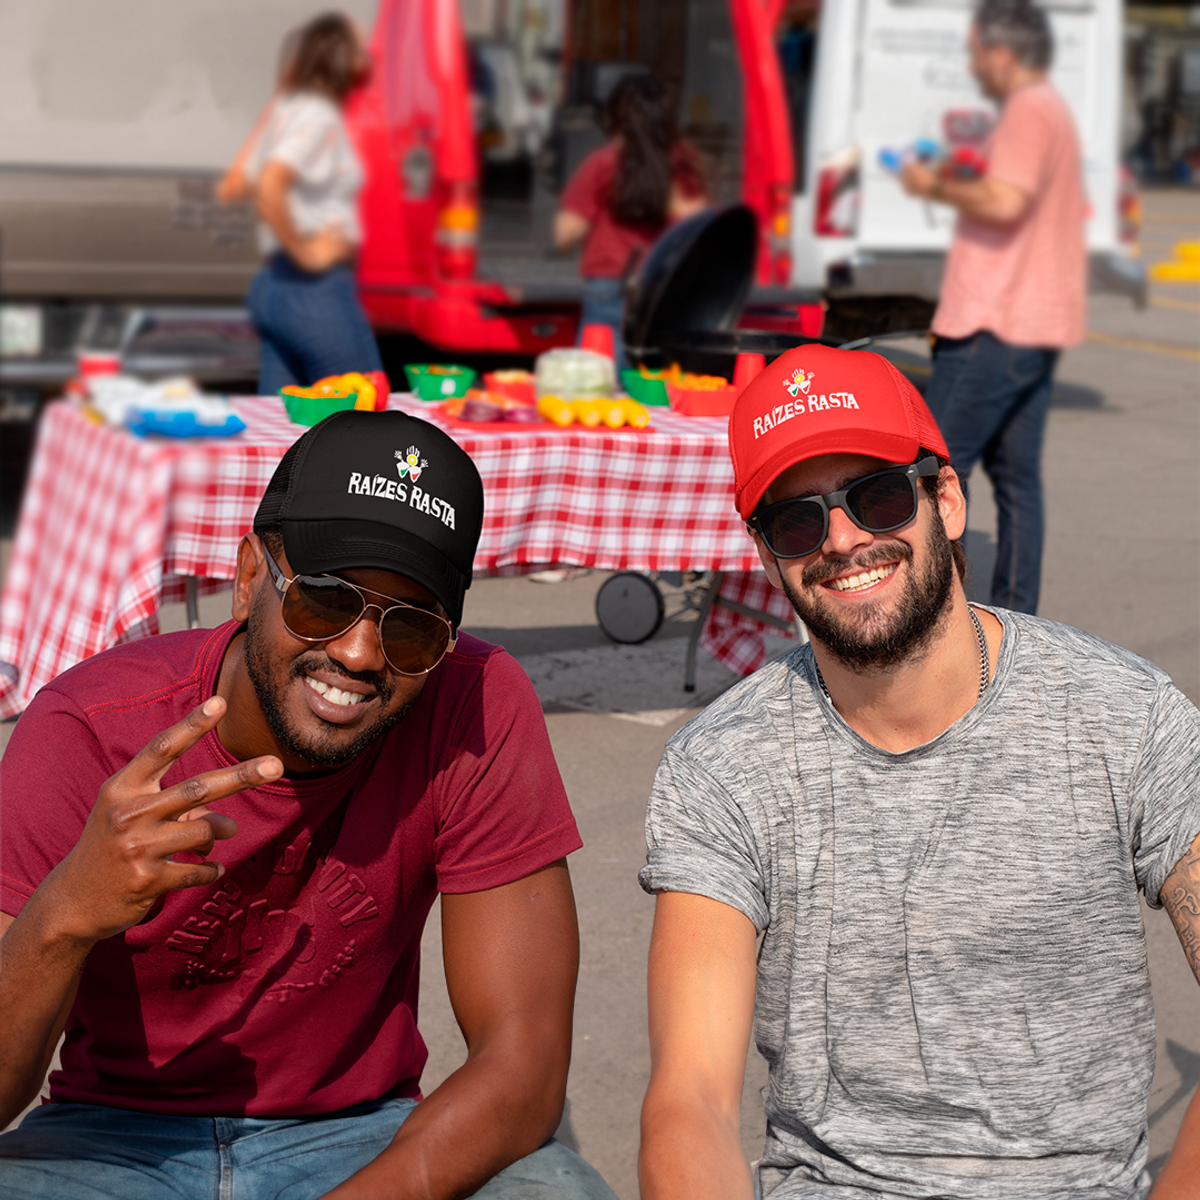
(625, 194)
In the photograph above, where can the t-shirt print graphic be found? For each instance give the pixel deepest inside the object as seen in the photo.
(265, 918)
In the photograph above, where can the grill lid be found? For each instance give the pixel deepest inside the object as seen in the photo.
(695, 278)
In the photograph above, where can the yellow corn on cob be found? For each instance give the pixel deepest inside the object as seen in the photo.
(555, 409)
(635, 414)
(588, 412)
(612, 413)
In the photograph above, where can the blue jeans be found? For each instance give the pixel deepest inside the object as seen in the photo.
(86, 1152)
(990, 401)
(604, 304)
(311, 325)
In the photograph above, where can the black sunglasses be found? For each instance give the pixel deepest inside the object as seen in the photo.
(319, 607)
(877, 503)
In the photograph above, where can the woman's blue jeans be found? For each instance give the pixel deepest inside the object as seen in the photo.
(88, 1152)
(311, 325)
(604, 304)
(990, 401)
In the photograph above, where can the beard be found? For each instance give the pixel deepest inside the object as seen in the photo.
(881, 635)
(271, 679)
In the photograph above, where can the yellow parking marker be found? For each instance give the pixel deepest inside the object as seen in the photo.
(1171, 349)
(1172, 302)
(1185, 268)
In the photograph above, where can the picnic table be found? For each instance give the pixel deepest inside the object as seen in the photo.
(113, 526)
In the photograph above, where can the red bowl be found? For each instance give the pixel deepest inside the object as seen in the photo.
(697, 402)
(522, 391)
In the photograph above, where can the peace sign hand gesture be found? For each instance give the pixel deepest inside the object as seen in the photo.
(123, 860)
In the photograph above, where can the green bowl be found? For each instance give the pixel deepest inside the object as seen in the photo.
(311, 410)
(449, 380)
(645, 391)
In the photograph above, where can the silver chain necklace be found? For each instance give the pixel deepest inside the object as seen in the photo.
(985, 674)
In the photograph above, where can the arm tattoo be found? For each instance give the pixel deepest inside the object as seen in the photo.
(1181, 898)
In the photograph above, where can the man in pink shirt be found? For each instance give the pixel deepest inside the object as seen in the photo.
(1014, 290)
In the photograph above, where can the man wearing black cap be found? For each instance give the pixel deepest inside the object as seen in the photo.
(907, 857)
(220, 847)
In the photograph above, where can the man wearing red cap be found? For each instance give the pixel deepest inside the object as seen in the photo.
(907, 857)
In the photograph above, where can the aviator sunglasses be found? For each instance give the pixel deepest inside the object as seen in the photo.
(317, 608)
(878, 503)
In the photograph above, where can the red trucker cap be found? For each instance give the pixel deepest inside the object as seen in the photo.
(819, 400)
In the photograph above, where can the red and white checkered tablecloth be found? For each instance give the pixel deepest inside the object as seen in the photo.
(737, 640)
(111, 524)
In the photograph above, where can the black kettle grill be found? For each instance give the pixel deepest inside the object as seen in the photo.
(685, 298)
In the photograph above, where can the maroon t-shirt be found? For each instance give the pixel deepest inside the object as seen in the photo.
(290, 986)
(609, 244)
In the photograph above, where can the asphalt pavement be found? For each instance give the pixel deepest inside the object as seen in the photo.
(1122, 560)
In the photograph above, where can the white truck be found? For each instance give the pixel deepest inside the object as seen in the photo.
(887, 72)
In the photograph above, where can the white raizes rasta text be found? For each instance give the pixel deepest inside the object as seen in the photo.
(410, 494)
(799, 406)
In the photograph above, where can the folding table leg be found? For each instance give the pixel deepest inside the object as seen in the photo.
(710, 596)
(191, 600)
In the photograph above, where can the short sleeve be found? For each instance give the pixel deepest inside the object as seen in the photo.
(699, 841)
(585, 192)
(502, 810)
(1165, 793)
(1022, 145)
(50, 776)
(304, 137)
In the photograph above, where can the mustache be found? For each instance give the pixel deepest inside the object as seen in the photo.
(317, 661)
(829, 568)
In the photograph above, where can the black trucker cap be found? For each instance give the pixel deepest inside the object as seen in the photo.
(382, 490)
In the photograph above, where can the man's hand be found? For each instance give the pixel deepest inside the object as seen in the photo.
(123, 860)
(993, 201)
(109, 881)
(701, 980)
(918, 180)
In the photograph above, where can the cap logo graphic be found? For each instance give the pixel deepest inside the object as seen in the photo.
(800, 381)
(411, 463)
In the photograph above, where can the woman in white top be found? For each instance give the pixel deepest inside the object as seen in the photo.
(305, 178)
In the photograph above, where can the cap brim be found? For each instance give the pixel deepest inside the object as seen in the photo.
(323, 547)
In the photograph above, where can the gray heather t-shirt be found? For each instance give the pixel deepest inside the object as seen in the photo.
(953, 997)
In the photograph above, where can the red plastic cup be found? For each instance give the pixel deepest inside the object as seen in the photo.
(97, 362)
(599, 339)
(746, 368)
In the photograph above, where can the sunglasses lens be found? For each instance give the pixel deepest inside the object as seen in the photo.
(414, 641)
(883, 503)
(794, 530)
(878, 504)
(320, 607)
